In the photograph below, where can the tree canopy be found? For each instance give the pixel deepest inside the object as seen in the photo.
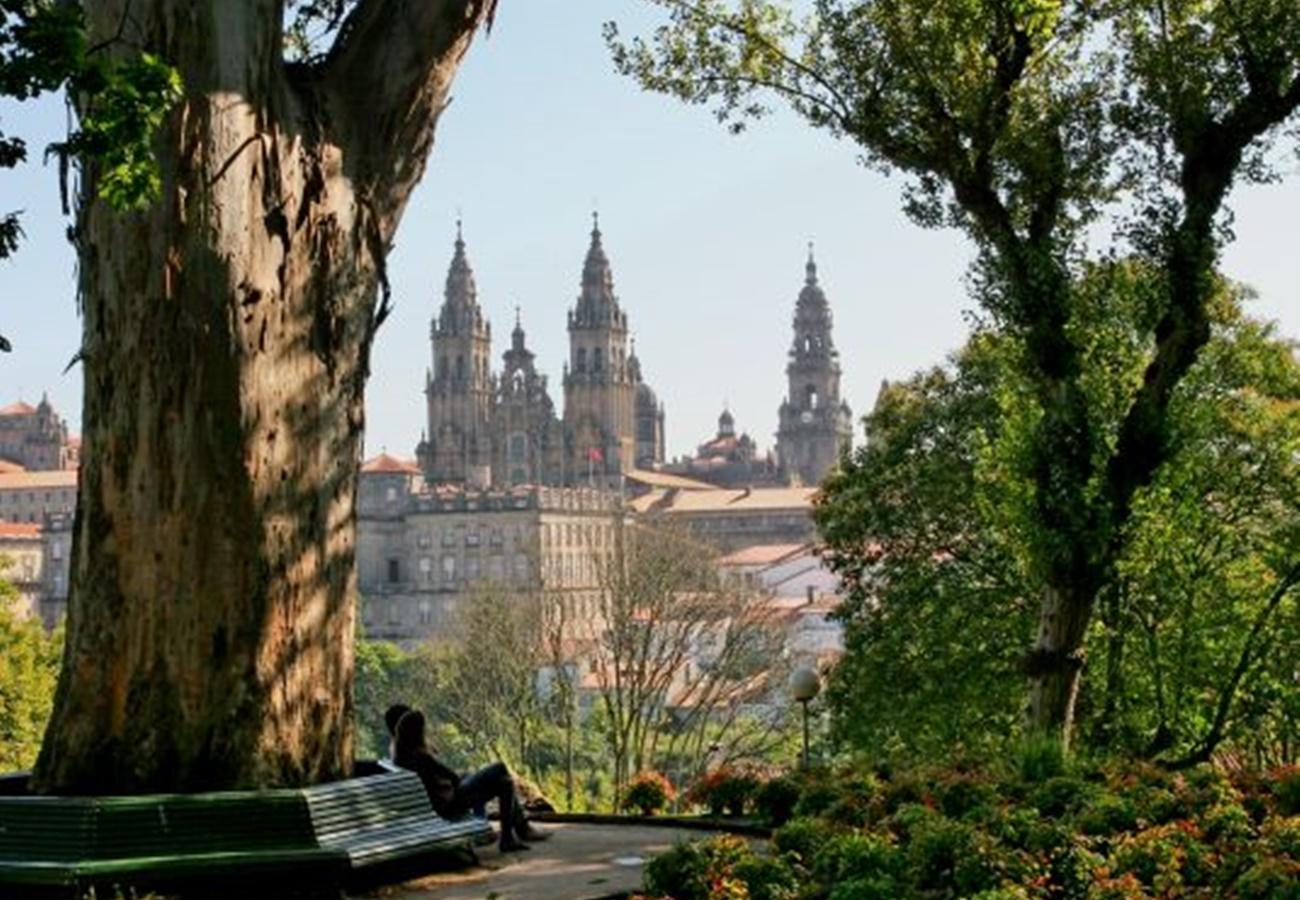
(1193, 649)
(1033, 126)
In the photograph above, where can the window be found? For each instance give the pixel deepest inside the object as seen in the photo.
(394, 570)
(426, 612)
(56, 550)
(518, 447)
(425, 539)
(472, 536)
(460, 367)
(426, 567)
(449, 568)
(810, 395)
(581, 363)
(597, 360)
(391, 494)
(472, 568)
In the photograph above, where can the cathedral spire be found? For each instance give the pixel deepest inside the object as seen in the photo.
(810, 269)
(597, 302)
(460, 290)
(517, 336)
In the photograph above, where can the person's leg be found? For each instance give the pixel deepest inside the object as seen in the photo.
(491, 782)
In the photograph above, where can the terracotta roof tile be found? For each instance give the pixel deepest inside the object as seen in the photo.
(385, 464)
(19, 530)
(18, 409)
(6, 466)
(764, 554)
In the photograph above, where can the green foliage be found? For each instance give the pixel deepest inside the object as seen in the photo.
(725, 789)
(697, 870)
(775, 800)
(29, 670)
(1090, 842)
(929, 522)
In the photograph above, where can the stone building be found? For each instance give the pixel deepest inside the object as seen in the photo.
(729, 460)
(38, 558)
(31, 496)
(421, 549)
(35, 438)
(815, 424)
(492, 430)
(733, 519)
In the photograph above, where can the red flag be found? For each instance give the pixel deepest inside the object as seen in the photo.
(595, 455)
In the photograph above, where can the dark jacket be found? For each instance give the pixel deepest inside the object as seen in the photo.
(440, 782)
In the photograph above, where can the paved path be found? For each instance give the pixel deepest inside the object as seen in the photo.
(579, 862)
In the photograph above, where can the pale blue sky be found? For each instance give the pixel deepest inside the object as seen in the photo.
(706, 233)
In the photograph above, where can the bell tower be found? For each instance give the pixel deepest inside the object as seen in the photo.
(599, 383)
(815, 424)
(459, 389)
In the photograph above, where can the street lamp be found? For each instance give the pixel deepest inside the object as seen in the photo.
(805, 684)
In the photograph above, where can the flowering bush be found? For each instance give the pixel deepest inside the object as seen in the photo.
(1113, 833)
(648, 793)
(775, 800)
(724, 790)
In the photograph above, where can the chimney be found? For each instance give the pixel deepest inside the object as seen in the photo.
(810, 595)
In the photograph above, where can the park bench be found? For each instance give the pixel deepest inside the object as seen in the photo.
(61, 846)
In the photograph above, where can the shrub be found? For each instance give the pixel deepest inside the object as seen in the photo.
(819, 793)
(1272, 878)
(767, 877)
(1286, 788)
(866, 889)
(1164, 858)
(1060, 795)
(724, 790)
(648, 793)
(775, 800)
(695, 870)
(864, 856)
(1107, 814)
(800, 838)
(966, 794)
(1227, 823)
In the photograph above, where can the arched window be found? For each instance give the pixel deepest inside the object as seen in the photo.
(442, 367)
(460, 367)
(597, 360)
(581, 363)
(518, 447)
(810, 396)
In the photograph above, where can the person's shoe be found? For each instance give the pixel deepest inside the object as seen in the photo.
(513, 846)
(534, 834)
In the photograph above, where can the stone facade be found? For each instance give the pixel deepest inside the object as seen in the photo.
(35, 438)
(816, 425)
(39, 558)
(31, 496)
(494, 430)
(421, 550)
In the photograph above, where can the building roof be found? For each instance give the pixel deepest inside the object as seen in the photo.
(765, 554)
(6, 466)
(53, 478)
(19, 530)
(389, 465)
(664, 480)
(18, 409)
(725, 501)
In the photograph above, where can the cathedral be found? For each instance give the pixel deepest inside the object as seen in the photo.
(489, 429)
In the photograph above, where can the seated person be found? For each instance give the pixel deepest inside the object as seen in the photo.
(453, 796)
(392, 716)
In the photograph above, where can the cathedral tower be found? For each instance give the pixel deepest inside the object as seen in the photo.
(815, 424)
(599, 384)
(528, 442)
(459, 388)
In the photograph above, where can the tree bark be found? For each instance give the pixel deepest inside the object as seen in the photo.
(227, 332)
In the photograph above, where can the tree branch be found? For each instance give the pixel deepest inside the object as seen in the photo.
(388, 75)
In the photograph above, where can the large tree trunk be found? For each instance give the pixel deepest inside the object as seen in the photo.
(226, 340)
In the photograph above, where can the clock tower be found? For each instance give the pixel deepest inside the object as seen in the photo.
(815, 424)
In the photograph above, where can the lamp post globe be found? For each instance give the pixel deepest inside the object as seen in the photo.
(805, 684)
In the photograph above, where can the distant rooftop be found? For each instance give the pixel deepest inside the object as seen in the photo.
(664, 480)
(720, 501)
(54, 478)
(19, 530)
(385, 464)
(765, 554)
(18, 409)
